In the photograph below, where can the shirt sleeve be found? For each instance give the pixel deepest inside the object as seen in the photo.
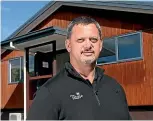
(44, 107)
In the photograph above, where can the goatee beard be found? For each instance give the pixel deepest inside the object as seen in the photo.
(88, 61)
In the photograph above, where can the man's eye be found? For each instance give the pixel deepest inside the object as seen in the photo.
(80, 40)
(94, 40)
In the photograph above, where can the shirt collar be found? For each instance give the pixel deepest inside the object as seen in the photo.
(72, 72)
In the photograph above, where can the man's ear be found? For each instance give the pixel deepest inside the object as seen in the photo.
(68, 45)
(101, 45)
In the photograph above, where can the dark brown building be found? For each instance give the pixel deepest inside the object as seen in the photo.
(36, 51)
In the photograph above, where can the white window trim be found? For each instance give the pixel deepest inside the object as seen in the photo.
(9, 68)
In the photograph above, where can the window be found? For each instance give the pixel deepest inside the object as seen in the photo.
(31, 65)
(16, 70)
(108, 54)
(121, 48)
(129, 46)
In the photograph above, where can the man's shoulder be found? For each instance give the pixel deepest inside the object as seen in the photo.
(56, 81)
(52, 86)
(112, 82)
(108, 80)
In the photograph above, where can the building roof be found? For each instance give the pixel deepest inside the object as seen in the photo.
(51, 7)
(34, 35)
(2, 50)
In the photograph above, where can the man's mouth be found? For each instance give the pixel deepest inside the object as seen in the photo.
(88, 53)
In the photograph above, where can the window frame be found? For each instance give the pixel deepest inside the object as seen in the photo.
(9, 69)
(116, 50)
(33, 63)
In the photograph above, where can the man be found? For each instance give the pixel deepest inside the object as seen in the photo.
(81, 91)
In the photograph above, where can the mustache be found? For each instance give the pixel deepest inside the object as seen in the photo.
(87, 51)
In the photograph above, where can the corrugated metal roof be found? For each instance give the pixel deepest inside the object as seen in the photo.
(129, 4)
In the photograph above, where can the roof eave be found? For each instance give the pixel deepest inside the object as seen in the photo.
(32, 35)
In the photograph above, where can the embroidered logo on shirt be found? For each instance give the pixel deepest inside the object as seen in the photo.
(77, 96)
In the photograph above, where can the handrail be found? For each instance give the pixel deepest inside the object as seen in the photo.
(40, 77)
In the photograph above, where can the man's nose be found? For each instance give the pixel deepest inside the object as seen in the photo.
(88, 43)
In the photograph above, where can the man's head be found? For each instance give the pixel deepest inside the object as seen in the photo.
(84, 40)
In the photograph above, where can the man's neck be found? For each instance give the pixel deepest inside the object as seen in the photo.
(87, 71)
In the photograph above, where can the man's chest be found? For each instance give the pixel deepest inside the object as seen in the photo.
(88, 104)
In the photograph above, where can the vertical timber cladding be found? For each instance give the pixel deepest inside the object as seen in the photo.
(12, 94)
(135, 76)
(148, 65)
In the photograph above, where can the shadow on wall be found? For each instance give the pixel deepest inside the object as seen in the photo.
(15, 103)
(16, 100)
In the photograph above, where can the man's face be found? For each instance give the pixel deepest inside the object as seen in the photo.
(84, 44)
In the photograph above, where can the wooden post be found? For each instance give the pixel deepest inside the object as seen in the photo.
(27, 81)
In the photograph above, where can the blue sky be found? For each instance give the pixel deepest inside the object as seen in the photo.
(16, 13)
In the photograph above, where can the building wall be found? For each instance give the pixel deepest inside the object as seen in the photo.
(136, 76)
(11, 94)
